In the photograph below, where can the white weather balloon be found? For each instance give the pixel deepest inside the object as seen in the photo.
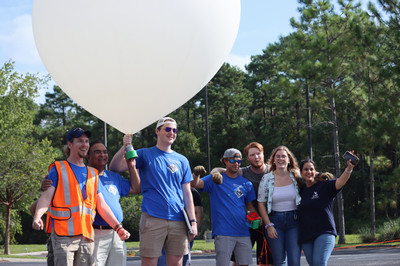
(130, 62)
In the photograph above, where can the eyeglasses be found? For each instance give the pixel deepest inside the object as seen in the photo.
(168, 129)
(98, 152)
(233, 161)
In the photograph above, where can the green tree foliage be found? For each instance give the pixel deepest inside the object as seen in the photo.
(132, 213)
(228, 111)
(23, 159)
(15, 224)
(343, 59)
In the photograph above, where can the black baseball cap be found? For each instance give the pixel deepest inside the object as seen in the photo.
(77, 132)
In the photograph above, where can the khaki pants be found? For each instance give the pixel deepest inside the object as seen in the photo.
(109, 249)
(72, 250)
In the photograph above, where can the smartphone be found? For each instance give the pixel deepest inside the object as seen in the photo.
(349, 156)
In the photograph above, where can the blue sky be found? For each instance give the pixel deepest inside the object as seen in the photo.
(262, 22)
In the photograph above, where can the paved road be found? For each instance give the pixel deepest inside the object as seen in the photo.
(352, 257)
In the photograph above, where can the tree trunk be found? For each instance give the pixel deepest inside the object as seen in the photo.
(372, 188)
(264, 108)
(342, 238)
(298, 123)
(371, 167)
(310, 153)
(188, 118)
(7, 235)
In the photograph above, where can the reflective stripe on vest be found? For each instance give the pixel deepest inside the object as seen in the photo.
(67, 213)
(93, 173)
(71, 214)
(64, 173)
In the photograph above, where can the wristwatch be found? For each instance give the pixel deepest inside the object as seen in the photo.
(192, 221)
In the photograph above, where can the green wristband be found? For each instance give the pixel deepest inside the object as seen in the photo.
(131, 154)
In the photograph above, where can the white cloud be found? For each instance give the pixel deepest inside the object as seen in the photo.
(238, 60)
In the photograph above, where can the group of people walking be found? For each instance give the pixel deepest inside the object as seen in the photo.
(84, 220)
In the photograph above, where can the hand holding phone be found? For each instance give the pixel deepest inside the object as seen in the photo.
(350, 156)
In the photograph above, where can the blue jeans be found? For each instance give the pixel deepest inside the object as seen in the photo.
(287, 243)
(318, 251)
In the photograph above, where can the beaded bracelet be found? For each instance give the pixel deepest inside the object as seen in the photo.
(269, 225)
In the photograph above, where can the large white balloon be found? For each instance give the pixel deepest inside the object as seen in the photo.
(130, 62)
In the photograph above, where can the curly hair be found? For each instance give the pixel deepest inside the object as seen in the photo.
(325, 176)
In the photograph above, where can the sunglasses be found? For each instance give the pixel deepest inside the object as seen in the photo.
(168, 129)
(233, 161)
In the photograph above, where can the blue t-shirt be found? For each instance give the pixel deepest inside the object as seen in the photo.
(162, 175)
(316, 210)
(114, 186)
(228, 204)
(80, 174)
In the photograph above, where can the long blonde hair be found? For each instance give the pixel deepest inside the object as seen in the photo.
(292, 166)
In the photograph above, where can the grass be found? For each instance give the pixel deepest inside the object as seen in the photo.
(22, 257)
(351, 240)
(21, 249)
(200, 245)
(16, 249)
(356, 240)
(133, 247)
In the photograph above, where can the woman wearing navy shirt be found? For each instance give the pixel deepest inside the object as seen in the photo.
(317, 224)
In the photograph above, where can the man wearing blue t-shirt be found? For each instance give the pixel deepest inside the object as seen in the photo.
(109, 249)
(165, 185)
(229, 202)
(74, 195)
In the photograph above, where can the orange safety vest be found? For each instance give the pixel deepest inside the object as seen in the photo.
(70, 213)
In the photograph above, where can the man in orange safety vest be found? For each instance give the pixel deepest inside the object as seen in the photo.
(72, 201)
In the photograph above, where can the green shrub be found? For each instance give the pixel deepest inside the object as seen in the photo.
(390, 230)
(366, 235)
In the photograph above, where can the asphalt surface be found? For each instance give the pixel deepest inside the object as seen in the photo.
(371, 256)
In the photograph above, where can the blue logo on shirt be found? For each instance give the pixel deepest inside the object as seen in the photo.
(173, 168)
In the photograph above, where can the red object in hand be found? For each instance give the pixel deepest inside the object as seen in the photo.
(252, 216)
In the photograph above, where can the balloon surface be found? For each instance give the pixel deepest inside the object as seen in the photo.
(131, 62)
